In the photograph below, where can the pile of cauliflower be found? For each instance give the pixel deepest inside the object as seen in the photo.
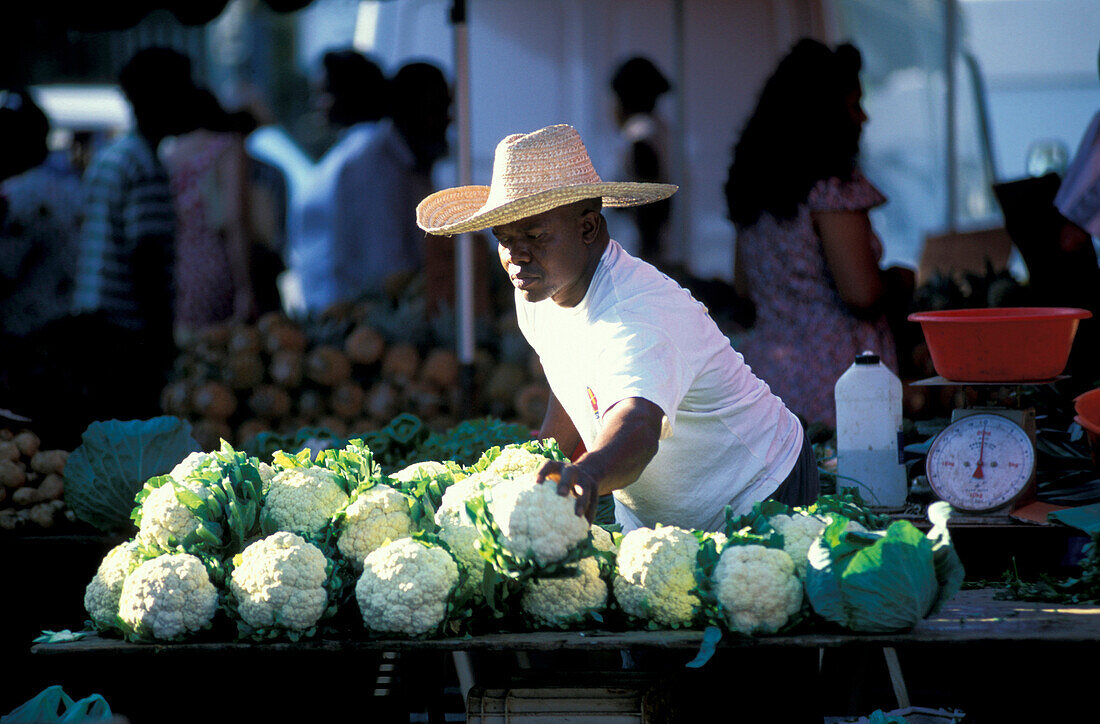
(329, 543)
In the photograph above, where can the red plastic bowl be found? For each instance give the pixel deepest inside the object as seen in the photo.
(1087, 407)
(1010, 344)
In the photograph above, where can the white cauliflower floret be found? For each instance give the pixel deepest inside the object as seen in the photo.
(266, 473)
(719, 539)
(534, 521)
(564, 601)
(302, 500)
(462, 541)
(168, 597)
(515, 461)
(452, 509)
(375, 516)
(280, 581)
(405, 587)
(757, 588)
(799, 532)
(459, 532)
(426, 469)
(102, 593)
(166, 521)
(190, 464)
(656, 573)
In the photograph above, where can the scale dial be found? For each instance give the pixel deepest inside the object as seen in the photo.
(981, 462)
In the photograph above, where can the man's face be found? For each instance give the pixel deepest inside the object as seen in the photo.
(546, 256)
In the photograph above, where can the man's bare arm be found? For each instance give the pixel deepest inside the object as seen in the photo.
(556, 424)
(623, 449)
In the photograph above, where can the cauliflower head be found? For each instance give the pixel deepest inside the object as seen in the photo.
(102, 593)
(279, 581)
(516, 461)
(560, 602)
(462, 541)
(168, 597)
(656, 574)
(458, 531)
(534, 520)
(452, 509)
(757, 588)
(799, 532)
(302, 500)
(376, 515)
(192, 463)
(405, 587)
(428, 469)
(165, 521)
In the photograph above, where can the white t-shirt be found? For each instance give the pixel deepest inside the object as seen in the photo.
(725, 438)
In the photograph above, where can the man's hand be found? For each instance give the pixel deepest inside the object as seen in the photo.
(572, 480)
(628, 441)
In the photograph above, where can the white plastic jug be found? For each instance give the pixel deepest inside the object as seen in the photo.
(868, 428)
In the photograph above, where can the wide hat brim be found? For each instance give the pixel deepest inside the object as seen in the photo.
(463, 209)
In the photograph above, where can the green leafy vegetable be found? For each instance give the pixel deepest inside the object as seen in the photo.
(883, 581)
(711, 636)
(466, 442)
(353, 464)
(547, 448)
(113, 461)
(850, 504)
(427, 489)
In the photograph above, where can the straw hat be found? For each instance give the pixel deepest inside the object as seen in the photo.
(532, 173)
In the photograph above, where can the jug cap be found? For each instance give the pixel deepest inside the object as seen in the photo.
(867, 358)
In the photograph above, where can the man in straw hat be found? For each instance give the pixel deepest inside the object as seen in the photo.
(671, 419)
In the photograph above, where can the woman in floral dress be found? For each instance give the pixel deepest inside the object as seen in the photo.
(208, 173)
(806, 254)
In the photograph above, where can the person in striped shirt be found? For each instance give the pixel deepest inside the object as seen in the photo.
(125, 248)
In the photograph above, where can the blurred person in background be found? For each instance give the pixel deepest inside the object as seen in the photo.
(274, 162)
(1077, 281)
(377, 245)
(356, 233)
(39, 218)
(39, 208)
(642, 150)
(23, 131)
(209, 177)
(806, 253)
(354, 97)
(268, 204)
(125, 250)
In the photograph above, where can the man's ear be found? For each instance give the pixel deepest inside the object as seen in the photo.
(591, 222)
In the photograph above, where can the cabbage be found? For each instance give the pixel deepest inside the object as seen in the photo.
(113, 461)
(883, 581)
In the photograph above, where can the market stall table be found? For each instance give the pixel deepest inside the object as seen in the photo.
(971, 617)
(959, 656)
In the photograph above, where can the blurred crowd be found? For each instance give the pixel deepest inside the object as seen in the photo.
(199, 216)
(191, 220)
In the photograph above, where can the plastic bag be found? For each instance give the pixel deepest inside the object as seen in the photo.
(52, 704)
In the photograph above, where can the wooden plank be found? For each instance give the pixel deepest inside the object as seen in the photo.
(974, 616)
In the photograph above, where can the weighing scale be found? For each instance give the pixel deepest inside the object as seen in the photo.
(984, 461)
